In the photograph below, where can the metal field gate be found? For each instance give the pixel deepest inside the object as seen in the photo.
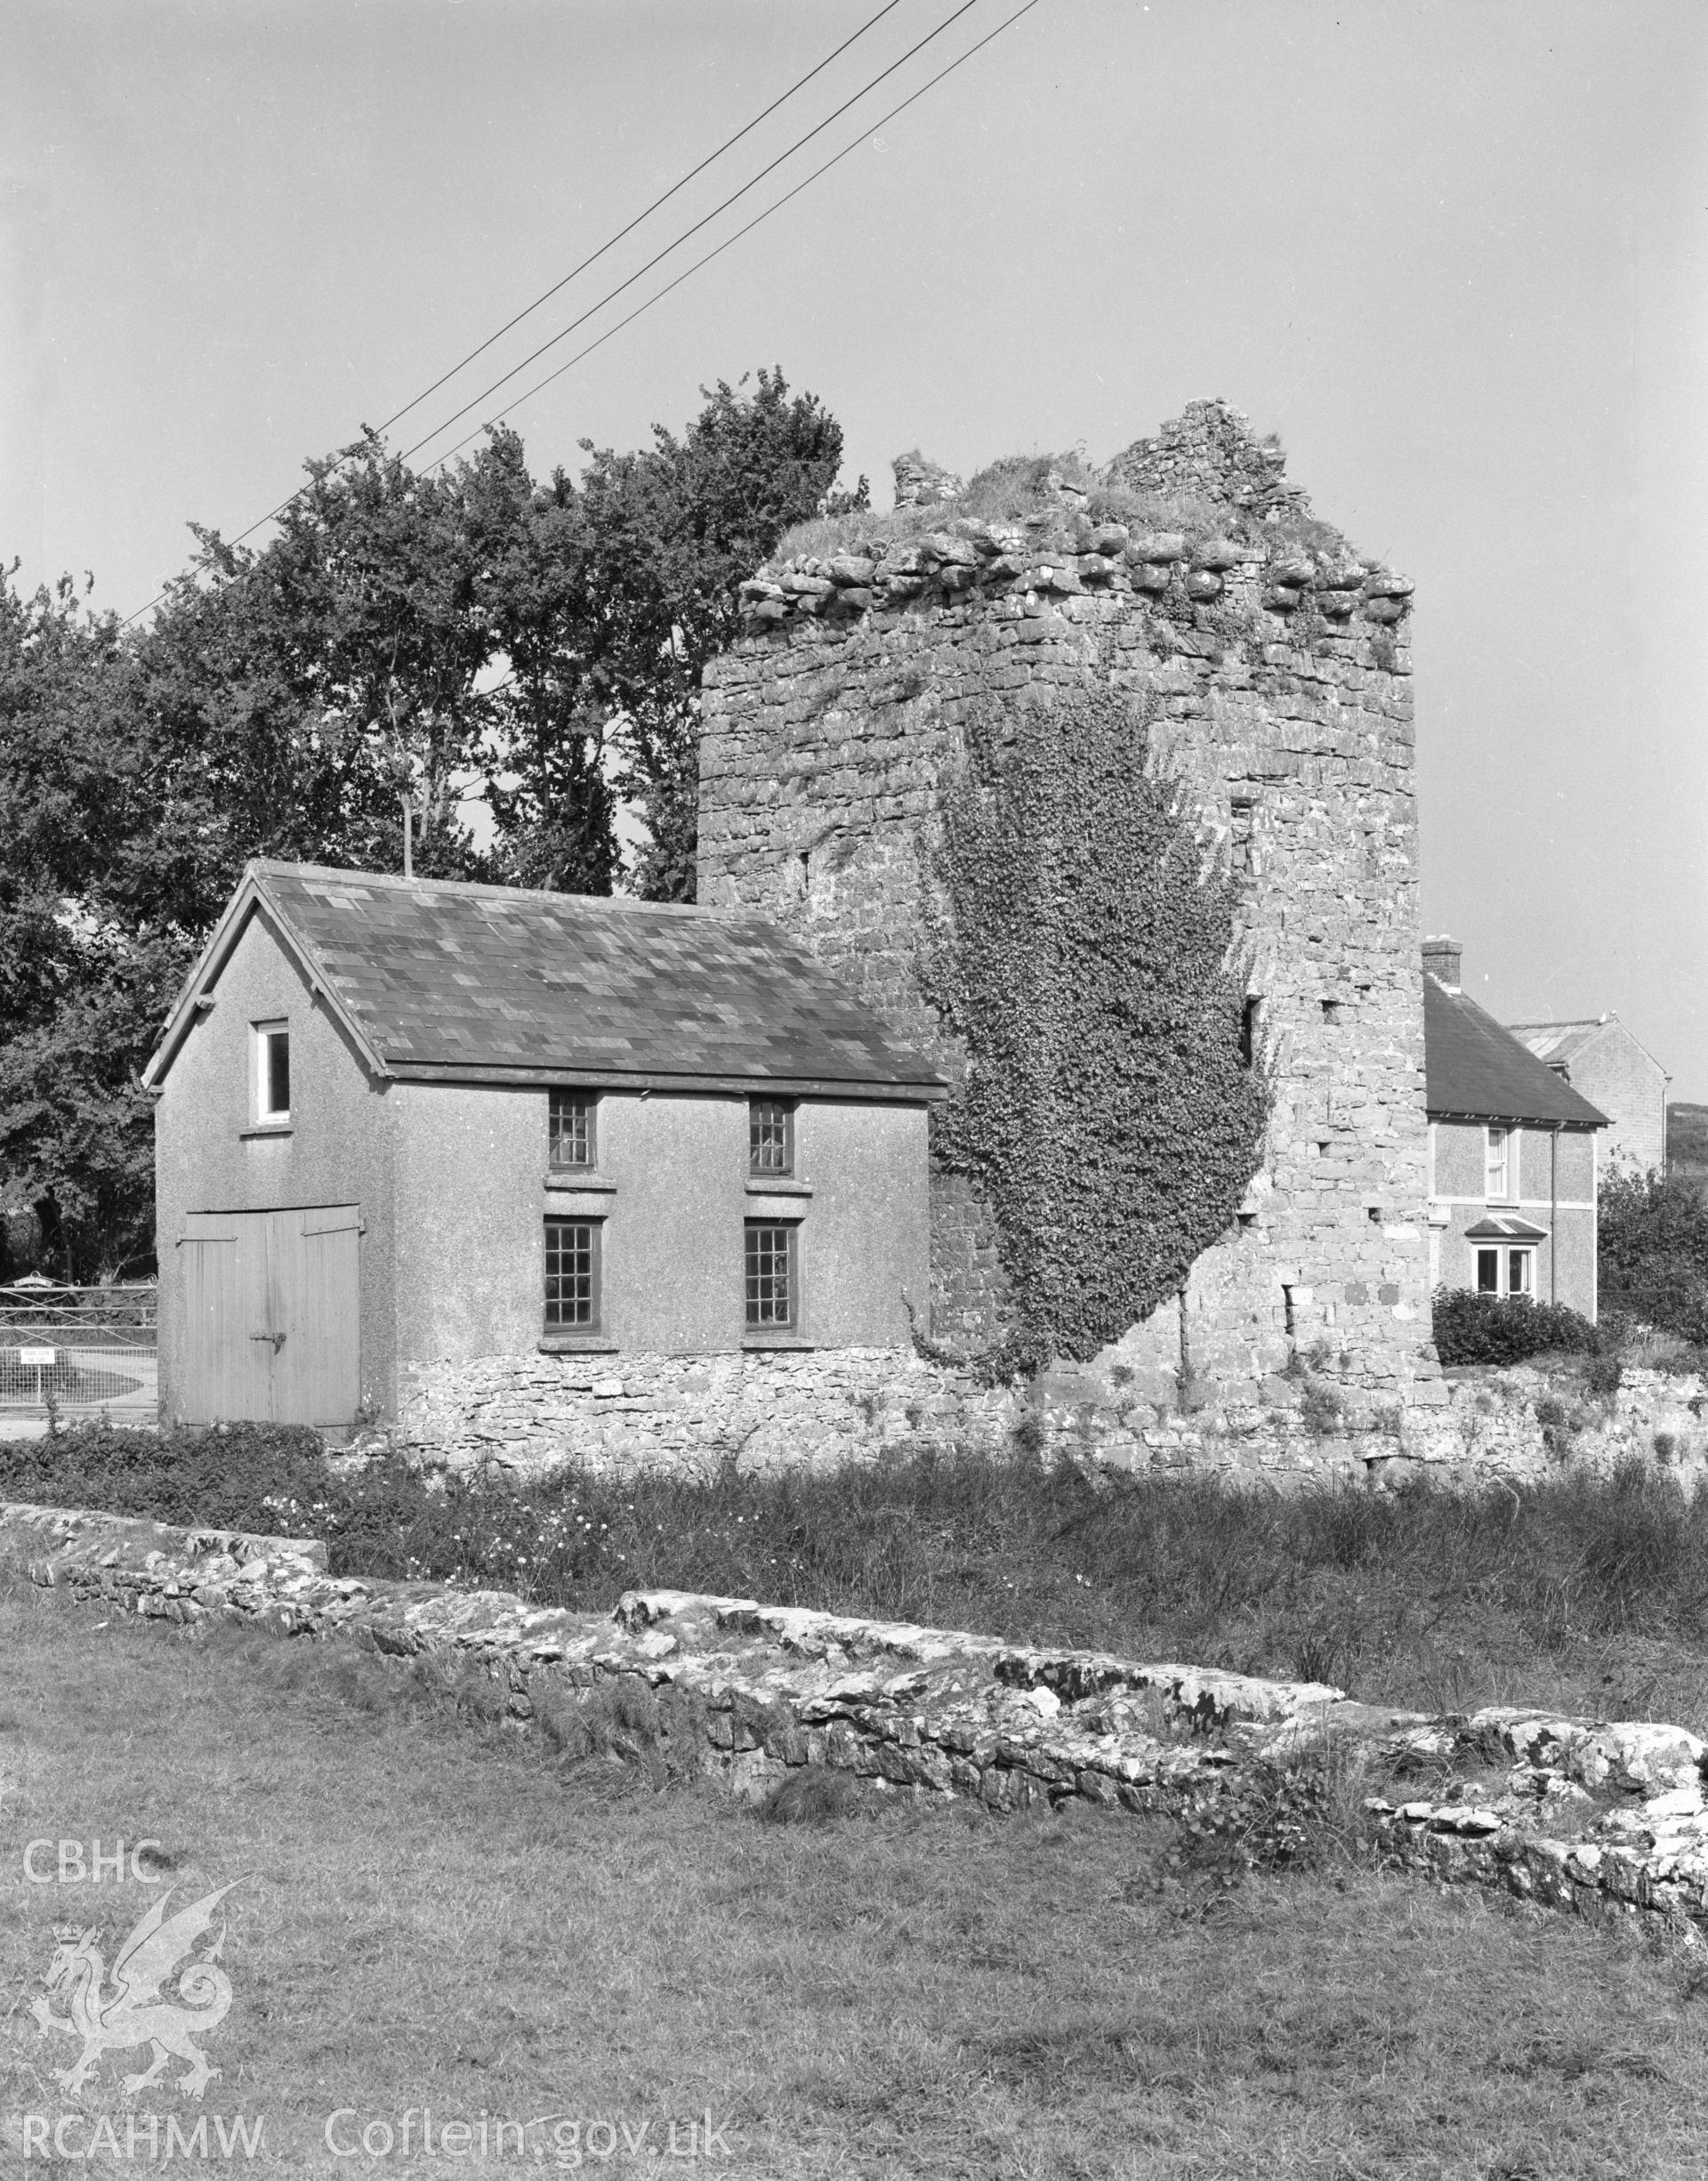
(78, 1352)
(271, 1317)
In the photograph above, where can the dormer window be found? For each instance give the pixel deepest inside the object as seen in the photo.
(573, 1138)
(272, 1075)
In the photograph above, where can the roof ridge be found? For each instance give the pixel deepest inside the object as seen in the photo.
(274, 868)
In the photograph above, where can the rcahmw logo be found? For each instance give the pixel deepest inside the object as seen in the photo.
(136, 2009)
(70, 1869)
(141, 2136)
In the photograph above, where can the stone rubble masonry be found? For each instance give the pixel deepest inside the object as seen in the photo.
(1277, 663)
(919, 483)
(1594, 1816)
(763, 1412)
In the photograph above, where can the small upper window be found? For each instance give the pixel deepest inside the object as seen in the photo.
(272, 1072)
(770, 1136)
(574, 1140)
(1497, 1169)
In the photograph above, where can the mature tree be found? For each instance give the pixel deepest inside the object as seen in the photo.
(677, 529)
(607, 599)
(547, 777)
(89, 950)
(305, 685)
(398, 630)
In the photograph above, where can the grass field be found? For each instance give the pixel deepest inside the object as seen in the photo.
(428, 1912)
(1586, 1593)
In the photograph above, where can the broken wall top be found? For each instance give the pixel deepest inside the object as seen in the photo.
(1203, 501)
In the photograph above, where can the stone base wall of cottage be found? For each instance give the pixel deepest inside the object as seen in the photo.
(1276, 665)
(692, 1415)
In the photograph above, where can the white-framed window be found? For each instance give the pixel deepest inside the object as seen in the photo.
(272, 1074)
(1508, 1270)
(1500, 1165)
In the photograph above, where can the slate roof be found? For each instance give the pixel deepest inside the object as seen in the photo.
(1477, 1070)
(1505, 1227)
(452, 981)
(1559, 1044)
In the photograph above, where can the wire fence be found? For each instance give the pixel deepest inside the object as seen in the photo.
(79, 1350)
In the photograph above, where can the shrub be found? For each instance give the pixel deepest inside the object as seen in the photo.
(1607, 1369)
(1486, 1328)
(1652, 1252)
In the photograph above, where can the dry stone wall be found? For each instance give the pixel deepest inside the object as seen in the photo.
(1596, 1817)
(1277, 663)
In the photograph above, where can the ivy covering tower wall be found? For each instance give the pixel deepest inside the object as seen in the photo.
(1084, 957)
(1189, 577)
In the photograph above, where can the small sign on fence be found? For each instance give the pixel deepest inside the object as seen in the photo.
(47, 1356)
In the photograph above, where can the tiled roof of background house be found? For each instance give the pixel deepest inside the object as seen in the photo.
(1559, 1044)
(467, 980)
(1479, 1069)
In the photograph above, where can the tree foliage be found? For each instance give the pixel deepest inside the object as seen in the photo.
(680, 526)
(1652, 1252)
(466, 634)
(1086, 959)
(89, 949)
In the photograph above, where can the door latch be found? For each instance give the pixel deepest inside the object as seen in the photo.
(277, 1339)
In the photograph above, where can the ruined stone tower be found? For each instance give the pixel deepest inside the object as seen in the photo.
(1278, 673)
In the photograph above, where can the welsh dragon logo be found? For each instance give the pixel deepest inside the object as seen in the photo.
(134, 2012)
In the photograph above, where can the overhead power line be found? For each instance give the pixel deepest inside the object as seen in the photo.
(557, 287)
(698, 264)
(622, 288)
(883, 121)
(611, 242)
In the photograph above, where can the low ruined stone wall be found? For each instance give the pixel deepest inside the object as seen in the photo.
(815, 1410)
(1598, 1817)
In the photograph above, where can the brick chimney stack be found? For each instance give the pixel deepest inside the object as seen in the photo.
(1441, 958)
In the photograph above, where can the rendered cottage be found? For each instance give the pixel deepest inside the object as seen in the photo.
(411, 1126)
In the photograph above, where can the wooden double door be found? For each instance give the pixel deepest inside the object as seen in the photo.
(271, 1316)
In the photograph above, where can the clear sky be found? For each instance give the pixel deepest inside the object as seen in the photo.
(1455, 251)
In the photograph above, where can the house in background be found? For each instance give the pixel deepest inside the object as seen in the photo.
(407, 1123)
(1606, 1063)
(1512, 1154)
